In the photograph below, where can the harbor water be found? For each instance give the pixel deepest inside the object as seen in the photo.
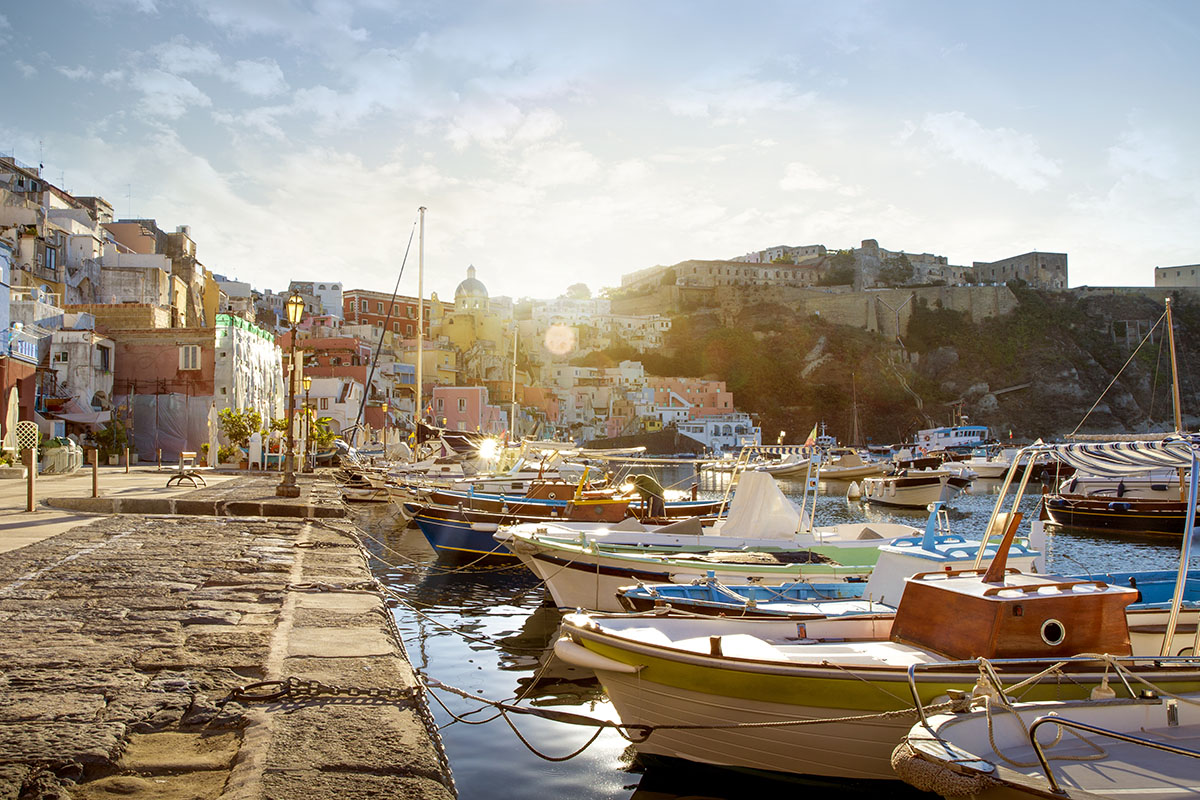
(486, 631)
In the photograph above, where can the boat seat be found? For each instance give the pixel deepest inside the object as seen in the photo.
(869, 533)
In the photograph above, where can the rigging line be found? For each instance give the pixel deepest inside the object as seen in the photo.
(383, 331)
(1157, 371)
(1118, 375)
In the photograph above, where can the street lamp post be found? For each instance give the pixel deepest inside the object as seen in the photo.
(288, 487)
(308, 415)
(385, 421)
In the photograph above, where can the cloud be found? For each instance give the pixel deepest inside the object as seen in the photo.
(734, 100)
(1010, 155)
(26, 70)
(167, 95)
(76, 73)
(180, 57)
(260, 78)
(799, 177)
(1146, 152)
(558, 165)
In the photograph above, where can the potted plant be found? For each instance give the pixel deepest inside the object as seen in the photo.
(237, 426)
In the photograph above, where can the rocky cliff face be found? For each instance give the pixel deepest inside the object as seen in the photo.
(1058, 362)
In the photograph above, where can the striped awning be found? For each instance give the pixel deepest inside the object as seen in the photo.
(1127, 458)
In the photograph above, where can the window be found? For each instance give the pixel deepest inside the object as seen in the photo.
(61, 357)
(189, 356)
(379, 307)
(362, 305)
(396, 327)
(105, 364)
(462, 404)
(324, 403)
(441, 404)
(408, 329)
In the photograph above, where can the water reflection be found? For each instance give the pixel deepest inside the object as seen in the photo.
(488, 631)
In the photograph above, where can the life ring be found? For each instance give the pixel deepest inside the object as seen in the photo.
(927, 438)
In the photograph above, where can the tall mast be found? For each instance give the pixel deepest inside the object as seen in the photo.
(1174, 370)
(420, 316)
(512, 414)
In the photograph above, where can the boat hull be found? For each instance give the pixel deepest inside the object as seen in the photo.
(1155, 517)
(587, 577)
(862, 708)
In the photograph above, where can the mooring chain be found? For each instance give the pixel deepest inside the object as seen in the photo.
(299, 689)
(321, 586)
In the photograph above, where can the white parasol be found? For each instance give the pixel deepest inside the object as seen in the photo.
(213, 447)
(10, 420)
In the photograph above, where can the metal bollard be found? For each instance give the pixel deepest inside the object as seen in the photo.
(30, 457)
(126, 460)
(160, 458)
(95, 473)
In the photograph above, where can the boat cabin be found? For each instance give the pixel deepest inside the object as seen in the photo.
(1018, 616)
(957, 437)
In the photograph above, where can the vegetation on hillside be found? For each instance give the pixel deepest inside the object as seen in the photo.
(1034, 372)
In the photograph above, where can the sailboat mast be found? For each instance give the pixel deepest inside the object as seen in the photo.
(512, 414)
(1174, 370)
(420, 317)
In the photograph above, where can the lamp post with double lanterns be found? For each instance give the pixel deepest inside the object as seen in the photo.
(308, 417)
(294, 307)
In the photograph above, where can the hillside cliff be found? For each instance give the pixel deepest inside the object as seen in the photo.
(1035, 371)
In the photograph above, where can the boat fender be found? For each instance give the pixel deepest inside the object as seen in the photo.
(1118, 506)
(930, 776)
(580, 656)
(487, 527)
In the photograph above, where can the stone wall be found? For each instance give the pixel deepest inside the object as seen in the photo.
(125, 316)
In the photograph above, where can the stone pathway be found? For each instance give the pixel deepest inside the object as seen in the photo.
(123, 637)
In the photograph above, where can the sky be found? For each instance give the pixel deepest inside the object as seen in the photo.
(572, 141)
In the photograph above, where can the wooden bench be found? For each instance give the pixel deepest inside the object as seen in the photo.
(187, 471)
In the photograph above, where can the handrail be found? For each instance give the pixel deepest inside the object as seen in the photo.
(1032, 662)
(1083, 726)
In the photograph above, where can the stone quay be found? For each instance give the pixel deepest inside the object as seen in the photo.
(133, 642)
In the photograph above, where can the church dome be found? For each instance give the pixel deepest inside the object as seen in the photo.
(471, 288)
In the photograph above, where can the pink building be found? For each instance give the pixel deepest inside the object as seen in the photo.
(466, 408)
(707, 398)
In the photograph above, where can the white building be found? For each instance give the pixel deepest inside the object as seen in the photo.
(723, 433)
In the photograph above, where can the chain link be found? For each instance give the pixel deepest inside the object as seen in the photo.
(300, 689)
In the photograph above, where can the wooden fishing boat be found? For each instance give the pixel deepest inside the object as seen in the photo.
(764, 538)
(1127, 514)
(899, 559)
(913, 489)
(845, 464)
(833, 697)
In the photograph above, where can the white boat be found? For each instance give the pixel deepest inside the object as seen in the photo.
(845, 464)
(912, 488)
(792, 465)
(764, 538)
(833, 697)
(1094, 748)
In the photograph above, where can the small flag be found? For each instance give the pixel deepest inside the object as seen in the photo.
(812, 437)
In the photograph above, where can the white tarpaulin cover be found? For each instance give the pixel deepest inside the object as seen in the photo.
(1127, 458)
(760, 510)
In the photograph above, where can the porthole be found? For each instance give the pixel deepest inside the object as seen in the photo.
(1053, 632)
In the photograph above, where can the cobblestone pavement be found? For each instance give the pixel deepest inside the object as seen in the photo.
(122, 638)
